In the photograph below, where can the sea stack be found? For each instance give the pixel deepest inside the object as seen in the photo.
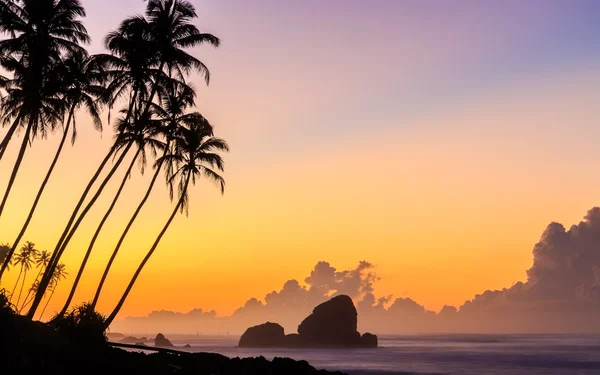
(331, 324)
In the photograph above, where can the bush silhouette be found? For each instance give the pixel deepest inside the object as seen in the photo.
(82, 325)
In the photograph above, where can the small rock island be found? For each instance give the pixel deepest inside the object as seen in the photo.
(331, 324)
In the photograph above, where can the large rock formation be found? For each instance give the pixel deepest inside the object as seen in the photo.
(263, 335)
(162, 342)
(331, 324)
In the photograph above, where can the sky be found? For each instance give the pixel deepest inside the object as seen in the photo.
(435, 140)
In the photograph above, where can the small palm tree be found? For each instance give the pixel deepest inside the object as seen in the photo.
(41, 262)
(59, 274)
(26, 258)
(194, 154)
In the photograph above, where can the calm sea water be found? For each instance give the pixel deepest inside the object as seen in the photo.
(440, 354)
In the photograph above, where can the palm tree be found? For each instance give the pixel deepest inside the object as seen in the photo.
(170, 115)
(128, 73)
(4, 249)
(172, 31)
(193, 155)
(41, 262)
(143, 136)
(81, 77)
(59, 274)
(40, 30)
(25, 258)
(139, 46)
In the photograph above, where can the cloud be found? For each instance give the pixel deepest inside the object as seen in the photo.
(561, 294)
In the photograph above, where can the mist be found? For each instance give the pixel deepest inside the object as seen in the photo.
(561, 295)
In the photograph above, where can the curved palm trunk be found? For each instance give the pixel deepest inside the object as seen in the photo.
(25, 301)
(58, 251)
(80, 203)
(8, 136)
(21, 290)
(39, 194)
(15, 170)
(124, 234)
(17, 283)
(47, 302)
(112, 315)
(97, 233)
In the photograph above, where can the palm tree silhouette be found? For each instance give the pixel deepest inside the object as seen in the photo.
(39, 33)
(4, 250)
(81, 78)
(59, 274)
(138, 47)
(170, 31)
(143, 136)
(41, 262)
(127, 69)
(25, 259)
(193, 155)
(169, 116)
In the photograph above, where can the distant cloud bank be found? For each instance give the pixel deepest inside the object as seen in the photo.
(561, 294)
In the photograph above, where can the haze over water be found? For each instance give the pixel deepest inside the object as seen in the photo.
(435, 354)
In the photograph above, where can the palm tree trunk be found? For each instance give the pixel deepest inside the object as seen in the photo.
(22, 285)
(29, 292)
(97, 233)
(15, 170)
(8, 136)
(112, 150)
(112, 315)
(124, 234)
(47, 302)
(58, 251)
(39, 194)
(17, 283)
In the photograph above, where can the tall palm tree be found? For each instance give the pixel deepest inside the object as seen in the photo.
(194, 154)
(4, 249)
(81, 78)
(128, 72)
(143, 136)
(59, 274)
(169, 116)
(40, 30)
(141, 48)
(171, 32)
(41, 262)
(25, 259)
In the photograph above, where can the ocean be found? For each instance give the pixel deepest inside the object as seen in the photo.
(434, 354)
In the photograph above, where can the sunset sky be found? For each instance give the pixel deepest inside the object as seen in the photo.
(434, 139)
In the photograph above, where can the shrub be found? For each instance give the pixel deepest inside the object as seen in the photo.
(82, 325)
(6, 308)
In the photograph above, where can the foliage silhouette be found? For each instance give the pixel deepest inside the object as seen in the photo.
(40, 32)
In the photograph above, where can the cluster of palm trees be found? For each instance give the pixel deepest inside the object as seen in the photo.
(26, 259)
(144, 75)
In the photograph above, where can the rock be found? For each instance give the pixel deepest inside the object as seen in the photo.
(368, 340)
(264, 335)
(187, 346)
(162, 341)
(130, 340)
(332, 323)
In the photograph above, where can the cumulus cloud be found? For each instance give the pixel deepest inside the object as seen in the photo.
(561, 294)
